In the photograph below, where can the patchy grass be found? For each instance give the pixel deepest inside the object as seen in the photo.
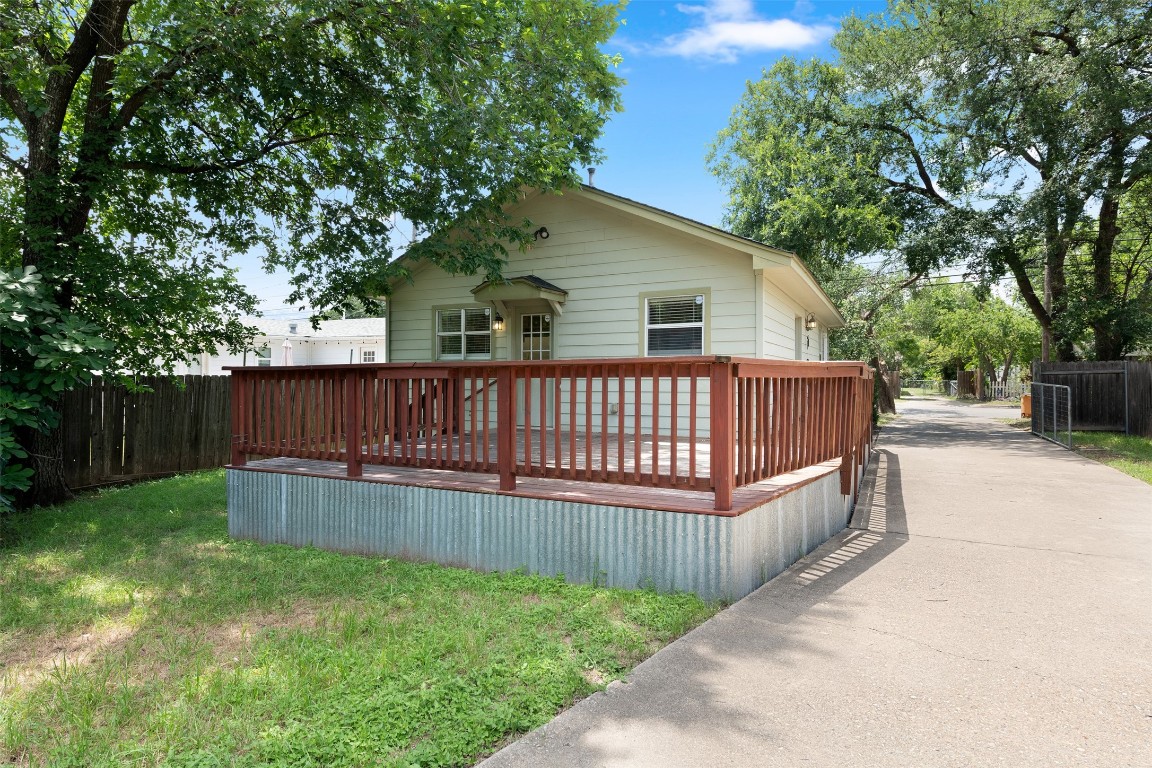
(1025, 424)
(134, 632)
(1130, 454)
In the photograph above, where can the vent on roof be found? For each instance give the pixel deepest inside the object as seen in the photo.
(291, 327)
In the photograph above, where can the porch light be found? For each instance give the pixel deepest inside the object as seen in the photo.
(498, 323)
(540, 234)
(810, 322)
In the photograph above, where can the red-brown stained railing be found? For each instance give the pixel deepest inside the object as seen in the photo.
(707, 423)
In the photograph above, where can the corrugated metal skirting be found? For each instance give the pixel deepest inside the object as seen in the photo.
(715, 557)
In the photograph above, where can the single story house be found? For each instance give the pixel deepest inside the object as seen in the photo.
(639, 400)
(612, 277)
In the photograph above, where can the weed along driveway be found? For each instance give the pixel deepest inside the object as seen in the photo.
(990, 606)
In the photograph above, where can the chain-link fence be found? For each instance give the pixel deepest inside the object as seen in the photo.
(1052, 413)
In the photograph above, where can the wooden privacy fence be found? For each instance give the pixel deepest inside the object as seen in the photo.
(697, 423)
(1110, 396)
(112, 435)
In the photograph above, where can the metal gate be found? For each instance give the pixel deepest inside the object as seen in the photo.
(1052, 413)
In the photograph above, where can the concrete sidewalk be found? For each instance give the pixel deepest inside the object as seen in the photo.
(992, 606)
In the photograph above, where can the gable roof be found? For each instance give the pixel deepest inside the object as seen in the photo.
(784, 268)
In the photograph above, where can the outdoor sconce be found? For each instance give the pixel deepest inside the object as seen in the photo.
(810, 322)
(498, 323)
(540, 234)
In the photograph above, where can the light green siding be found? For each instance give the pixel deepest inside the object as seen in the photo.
(779, 317)
(605, 260)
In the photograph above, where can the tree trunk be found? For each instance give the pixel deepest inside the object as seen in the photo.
(883, 400)
(1109, 340)
(46, 457)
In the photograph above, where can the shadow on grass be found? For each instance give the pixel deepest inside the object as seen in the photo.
(152, 633)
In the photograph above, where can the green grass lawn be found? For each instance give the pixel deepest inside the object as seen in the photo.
(1130, 454)
(134, 632)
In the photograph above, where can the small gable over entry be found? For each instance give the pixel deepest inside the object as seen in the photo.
(521, 293)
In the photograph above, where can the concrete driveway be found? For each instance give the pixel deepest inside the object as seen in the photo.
(991, 606)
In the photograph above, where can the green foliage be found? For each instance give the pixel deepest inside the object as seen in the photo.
(998, 135)
(944, 327)
(43, 352)
(202, 650)
(144, 143)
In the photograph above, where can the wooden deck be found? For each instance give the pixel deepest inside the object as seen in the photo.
(745, 498)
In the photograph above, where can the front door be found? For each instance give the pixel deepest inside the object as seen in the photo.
(534, 338)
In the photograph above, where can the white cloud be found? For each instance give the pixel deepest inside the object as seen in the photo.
(726, 29)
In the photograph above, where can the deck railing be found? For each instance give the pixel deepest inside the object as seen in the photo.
(699, 423)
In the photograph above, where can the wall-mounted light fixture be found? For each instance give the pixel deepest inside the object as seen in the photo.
(810, 322)
(540, 234)
(498, 323)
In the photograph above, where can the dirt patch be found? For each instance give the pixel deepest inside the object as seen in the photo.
(28, 659)
(593, 677)
(230, 639)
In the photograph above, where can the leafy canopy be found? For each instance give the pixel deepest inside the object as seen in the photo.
(144, 143)
(997, 135)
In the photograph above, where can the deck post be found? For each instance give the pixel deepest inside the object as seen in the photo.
(722, 446)
(239, 413)
(352, 423)
(506, 428)
(847, 462)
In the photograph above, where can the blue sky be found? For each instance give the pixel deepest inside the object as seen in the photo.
(686, 65)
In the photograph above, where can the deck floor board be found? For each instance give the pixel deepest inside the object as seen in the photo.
(745, 497)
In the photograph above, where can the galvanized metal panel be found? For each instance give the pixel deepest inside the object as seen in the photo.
(714, 557)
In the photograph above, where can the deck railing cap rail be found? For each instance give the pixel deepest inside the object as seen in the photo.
(813, 366)
(684, 359)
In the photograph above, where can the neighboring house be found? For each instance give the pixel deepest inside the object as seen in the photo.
(611, 277)
(335, 341)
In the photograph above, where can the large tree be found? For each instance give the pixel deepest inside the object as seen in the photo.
(994, 134)
(144, 142)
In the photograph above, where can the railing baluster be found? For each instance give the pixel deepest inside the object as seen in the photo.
(603, 426)
(781, 416)
(674, 422)
(557, 404)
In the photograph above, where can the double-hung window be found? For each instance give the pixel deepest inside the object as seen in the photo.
(674, 325)
(367, 355)
(464, 334)
(264, 356)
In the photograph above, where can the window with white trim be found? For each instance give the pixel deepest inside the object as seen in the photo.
(264, 355)
(464, 334)
(674, 325)
(367, 355)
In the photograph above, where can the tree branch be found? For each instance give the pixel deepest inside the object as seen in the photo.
(159, 79)
(15, 100)
(186, 169)
(1024, 283)
(14, 164)
(929, 188)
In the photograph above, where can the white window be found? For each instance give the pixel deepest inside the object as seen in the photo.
(536, 337)
(675, 325)
(367, 355)
(264, 355)
(464, 334)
